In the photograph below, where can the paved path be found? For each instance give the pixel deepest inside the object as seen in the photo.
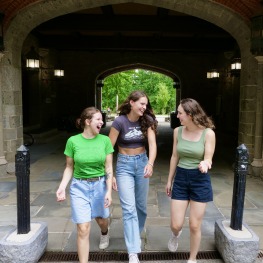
(47, 165)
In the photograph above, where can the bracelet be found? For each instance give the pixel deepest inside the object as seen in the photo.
(150, 164)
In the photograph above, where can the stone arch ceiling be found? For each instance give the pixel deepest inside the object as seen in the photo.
(246, 8)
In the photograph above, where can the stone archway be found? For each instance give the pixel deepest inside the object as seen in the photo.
(35, 14)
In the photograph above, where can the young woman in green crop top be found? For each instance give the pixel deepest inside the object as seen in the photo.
(188, 182)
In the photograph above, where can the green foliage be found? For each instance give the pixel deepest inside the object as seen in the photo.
(158, 87)
(162, 99)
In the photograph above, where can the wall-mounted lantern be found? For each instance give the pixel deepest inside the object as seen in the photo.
(32, 59)
(256, 47)
(236, 67)
(212, 74)
(59, 72)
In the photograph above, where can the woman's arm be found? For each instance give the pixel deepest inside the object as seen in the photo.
(67, 175)
(109, 175)
(148, 170)
(113, 135)
(210, 142)
(173, 163)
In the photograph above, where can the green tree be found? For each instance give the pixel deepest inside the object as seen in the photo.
(115, 89)
(157, 86)
(162, 99)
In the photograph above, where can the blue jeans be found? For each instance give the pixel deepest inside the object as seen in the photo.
(133, 192)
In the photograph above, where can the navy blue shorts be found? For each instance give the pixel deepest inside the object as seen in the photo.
(191, 184)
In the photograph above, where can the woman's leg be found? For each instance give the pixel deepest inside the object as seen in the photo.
(100, 213)
(103, 224)
(197, 211)
(178, 210)
(83, 242)
(104, 237)
(126, 190)
(141, 192)
(141, 196)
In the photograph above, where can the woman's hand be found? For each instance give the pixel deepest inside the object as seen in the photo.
(168, 189)
(204, 166)
(114, 184)
(61, 194)
(148, 170)
(108, 199)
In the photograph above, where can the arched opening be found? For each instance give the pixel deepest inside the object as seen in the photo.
(139, 76)
(104, 47)
(186, 62)
(85, 67)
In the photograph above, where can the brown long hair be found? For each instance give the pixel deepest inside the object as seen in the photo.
(199, 117)
(148, 119)
(86, 114)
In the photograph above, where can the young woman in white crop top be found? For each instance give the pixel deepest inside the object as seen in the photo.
(188, 182)
(135, 126)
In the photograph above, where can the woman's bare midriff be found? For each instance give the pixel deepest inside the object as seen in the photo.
(131, 151)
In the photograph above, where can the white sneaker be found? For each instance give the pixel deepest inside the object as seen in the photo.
(133, 258)
(191, 261)
(104, 241)
(173, 242)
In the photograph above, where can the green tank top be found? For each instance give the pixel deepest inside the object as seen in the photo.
(190, 153)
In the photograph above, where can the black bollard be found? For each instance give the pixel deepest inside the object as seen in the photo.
(23, 202)
(241, 169)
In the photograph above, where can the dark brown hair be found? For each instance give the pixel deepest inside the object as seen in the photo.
(199, 117)
(86, 114)
(148, 119)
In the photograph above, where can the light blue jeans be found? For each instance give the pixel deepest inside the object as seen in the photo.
(133, 192)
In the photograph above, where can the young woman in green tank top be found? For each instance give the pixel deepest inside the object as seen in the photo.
(188, 182)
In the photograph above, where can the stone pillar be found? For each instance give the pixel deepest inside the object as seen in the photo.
(3, 161)
(257, 163)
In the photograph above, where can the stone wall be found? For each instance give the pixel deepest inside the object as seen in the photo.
(190, 70)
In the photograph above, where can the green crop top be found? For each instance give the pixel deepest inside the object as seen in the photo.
(190, 153)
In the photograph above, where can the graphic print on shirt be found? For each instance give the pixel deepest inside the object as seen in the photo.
(135, 133)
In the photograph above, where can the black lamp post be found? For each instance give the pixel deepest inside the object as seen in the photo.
(1, 32)
(257, 35)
